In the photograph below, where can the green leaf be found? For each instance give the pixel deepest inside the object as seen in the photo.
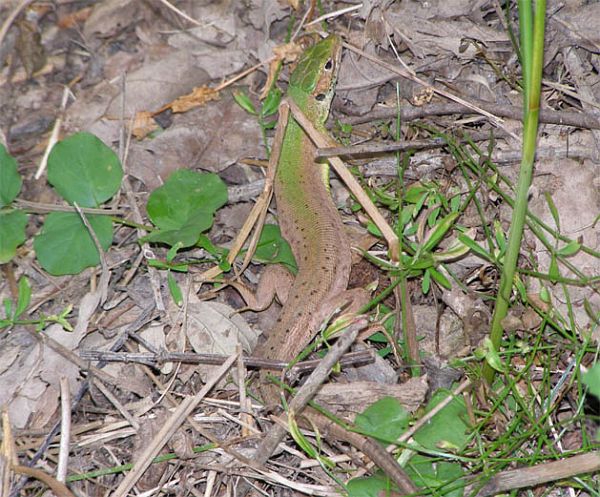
(436, 234)
(433, 215)
(491, 355)
(84, 170)
(374, 230)
(553, 209)
(455, 203)
(174, 289)
(186, 236)
(592, 379)
(426, 283)
(569, 249)
(12, 233)
(427, 472)
(415, 194)
(385, 420)
(65, 247)
(184, 206)
(475, 247)
(10, 180)
(500, 237)
(172, 252)
(24, 297)
(244, 102)
(274, 249)
(448, 427)
(7, 303)
(377, 485)
(440, 278)
(271, 103)
(553, 270)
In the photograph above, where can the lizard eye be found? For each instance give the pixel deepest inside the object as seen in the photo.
(328, 65)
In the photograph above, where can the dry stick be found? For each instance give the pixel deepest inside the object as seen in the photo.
(11, 18)
(171, 426)
(374, 148)
(65, 429)
(102, 293)
(407, 113)
(536, 475)
(115, 402)
(359, 358)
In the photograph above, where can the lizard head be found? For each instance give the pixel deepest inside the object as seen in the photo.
(314, 77)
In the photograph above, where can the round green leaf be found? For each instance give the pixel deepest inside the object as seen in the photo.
(84, 170)
(65, 246)
(187, 198)
(12, 233)
(10, 181)
(385, 420)
(449, 425)
(431, 473)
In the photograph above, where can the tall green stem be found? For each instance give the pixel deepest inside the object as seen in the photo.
(532, 50)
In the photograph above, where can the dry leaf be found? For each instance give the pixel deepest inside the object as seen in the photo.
(287, 52)
(199, 96)
(143, 125)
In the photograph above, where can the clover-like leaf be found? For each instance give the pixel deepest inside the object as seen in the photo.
(66, 247)
(10, 181)
(12, 233)
(84, 170)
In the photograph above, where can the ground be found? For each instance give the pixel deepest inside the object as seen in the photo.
(157, 84)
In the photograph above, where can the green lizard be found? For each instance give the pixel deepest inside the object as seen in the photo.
(311, 224)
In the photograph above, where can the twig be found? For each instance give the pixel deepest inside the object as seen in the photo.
(60, 489)
(536, 475)
(409, 113)
(101, 294)
(359, 358)
(54, 135)
(181, 13)
(65, 430)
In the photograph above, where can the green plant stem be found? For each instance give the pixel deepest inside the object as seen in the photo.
(532, 72)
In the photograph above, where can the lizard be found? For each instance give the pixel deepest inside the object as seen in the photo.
(310, 222)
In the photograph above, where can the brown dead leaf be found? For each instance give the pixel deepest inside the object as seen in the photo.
(143, 125)
(287, 52)
(216, 328)
(198, 97)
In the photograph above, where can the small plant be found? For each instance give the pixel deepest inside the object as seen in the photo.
(14, 310)
(84, 172)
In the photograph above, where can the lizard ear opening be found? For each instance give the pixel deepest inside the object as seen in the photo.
(320, 97)
(328, 65)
